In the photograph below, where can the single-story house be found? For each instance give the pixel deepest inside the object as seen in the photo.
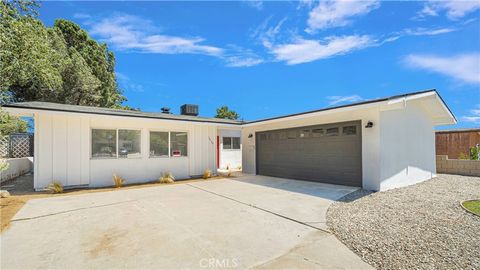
(377, 144)
(456, 142)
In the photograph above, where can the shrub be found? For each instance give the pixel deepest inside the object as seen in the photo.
(474, 153)
(207, 174)
(55, 187)
(462, 156)
(166, 178)
(3, 165)
(118, 181)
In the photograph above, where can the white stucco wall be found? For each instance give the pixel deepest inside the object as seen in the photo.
(230, 157)
(407, 152)
(63, 150)
(398, 150)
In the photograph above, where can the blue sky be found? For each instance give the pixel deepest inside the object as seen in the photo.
(266, 59)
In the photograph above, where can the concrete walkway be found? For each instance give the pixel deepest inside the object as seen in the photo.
(247, 222)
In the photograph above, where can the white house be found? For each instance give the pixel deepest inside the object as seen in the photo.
(377, 144)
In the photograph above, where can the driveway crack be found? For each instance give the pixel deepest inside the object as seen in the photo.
(71, 210)
(260, 208)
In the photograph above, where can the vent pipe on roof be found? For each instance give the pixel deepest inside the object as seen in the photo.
(165, 110)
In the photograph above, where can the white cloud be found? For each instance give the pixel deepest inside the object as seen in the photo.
(303, 51)
(464, 67)
(126, 83)
(474, 116)
(454, 9)
(334, 100)
(329, 14)
(81, 16)
(126, 32)
(256, 4)
(239, 61)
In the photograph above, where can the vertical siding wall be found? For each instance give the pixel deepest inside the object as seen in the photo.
(407, 152)
(64, 147)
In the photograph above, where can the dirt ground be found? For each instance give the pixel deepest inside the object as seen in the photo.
(21, 191)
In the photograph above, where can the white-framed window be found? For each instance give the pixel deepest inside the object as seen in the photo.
(178, 144)
(129, 143)
(104, 143)
(231, 143)
(113, 143)
(168, 144)
(159, 144)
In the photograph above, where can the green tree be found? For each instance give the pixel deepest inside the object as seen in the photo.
(11, 124)
(60, 64)
(224, 112)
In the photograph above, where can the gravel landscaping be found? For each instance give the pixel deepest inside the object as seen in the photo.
(417, 227)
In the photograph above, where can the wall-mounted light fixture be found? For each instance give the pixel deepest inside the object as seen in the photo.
(369, 124)
(250, 135)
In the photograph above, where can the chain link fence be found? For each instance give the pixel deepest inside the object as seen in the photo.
(16, 145)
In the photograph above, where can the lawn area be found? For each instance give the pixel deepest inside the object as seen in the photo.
(473, 206)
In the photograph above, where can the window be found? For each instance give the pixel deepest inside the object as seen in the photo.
(317, 132)
(231, 143)
(178, 144)
(227, 142)
(129, 143)
(104, 143)
(332, 131)
(349, 130)
(304, 133)
(158, 144)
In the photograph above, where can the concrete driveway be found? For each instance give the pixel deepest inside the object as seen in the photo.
(245, 222)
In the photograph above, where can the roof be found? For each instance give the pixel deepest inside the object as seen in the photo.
(357, 104)
(459, 130)
(48, 106)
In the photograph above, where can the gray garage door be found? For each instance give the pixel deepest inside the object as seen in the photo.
(325, 153)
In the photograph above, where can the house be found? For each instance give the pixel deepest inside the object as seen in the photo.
(455, 142)
(377, 144)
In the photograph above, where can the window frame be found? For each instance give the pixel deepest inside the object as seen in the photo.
(140, 156)
(149, 143)
(231, 143)
(169, 142)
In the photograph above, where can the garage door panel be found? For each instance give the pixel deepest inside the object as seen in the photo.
(315, 156)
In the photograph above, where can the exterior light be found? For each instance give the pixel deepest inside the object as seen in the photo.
(369, 124)
(250, 135)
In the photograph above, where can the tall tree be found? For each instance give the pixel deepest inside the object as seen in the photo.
(224, 112)
(60, 64)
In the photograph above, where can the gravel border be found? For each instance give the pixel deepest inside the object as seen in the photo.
(420, 226)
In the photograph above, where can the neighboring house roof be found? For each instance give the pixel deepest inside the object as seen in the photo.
(458, 130)
(36, 105)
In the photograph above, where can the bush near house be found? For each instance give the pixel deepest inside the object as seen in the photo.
(118, 181)
(55, 187)
(166, 178)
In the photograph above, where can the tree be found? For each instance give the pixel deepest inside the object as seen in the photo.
(11, 124)
(60, 64)
(224, 112)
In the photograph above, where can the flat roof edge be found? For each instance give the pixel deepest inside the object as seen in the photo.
(122, 115)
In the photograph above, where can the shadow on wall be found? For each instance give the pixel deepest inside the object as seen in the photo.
(16, 168)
